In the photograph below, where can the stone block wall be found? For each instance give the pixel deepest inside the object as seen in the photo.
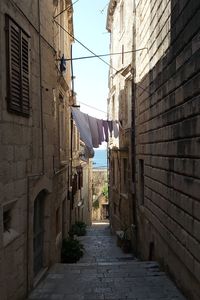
(30, 160)
(167, 113)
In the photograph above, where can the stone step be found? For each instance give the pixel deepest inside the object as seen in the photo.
(136, 280)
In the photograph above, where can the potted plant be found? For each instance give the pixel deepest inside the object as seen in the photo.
(79, 229)
(71, 251)
(123, 240)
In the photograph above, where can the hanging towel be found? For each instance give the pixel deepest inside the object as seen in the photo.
(105, 126)
(110, 126)
(94, 131)
(81, 121)
(100, 130)
(115, 129)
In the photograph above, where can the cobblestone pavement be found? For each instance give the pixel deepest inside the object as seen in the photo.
(105, 273)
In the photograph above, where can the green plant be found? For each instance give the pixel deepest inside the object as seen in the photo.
(79, 228)
(72, 250)
(96, 204)
(123, 240)
(105, 191)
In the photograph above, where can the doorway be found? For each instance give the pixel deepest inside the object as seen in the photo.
(38, 233)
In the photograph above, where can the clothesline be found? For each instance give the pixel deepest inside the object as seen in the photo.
(94, 131)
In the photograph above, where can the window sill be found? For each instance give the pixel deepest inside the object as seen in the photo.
(9, 237)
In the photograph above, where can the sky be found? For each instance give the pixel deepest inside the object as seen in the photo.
(91, 75)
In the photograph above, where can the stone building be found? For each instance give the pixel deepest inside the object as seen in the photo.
(166, 130)
(81, 182)
(100, 209)
(35, 150)
(167, 89)
(120, 24)
(86, 193)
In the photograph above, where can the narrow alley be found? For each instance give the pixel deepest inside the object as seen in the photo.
(99, 119)
(105, 272)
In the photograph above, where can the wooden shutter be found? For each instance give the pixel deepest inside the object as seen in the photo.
(25, 73)
(17, 68)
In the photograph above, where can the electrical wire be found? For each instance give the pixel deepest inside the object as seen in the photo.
(92, 107)
(97, 56)
(101, 55)
(84, 45)
(102, 10)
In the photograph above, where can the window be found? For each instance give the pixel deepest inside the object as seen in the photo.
(17, 43)
(7, 220)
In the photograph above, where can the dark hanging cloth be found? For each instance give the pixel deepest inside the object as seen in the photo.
(62, 64)
(94, 131)
(82, 124)
(80, 178)
(100, 130)
(75, 184)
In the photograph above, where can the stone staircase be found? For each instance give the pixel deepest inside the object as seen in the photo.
(106, 273)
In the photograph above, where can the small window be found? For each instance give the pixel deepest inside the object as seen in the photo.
(17, 51)
(7, 220)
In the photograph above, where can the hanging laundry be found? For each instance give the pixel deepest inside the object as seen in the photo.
(82, 124)
(100, 130)
(115, 129)
(94, 131)
(105, 126)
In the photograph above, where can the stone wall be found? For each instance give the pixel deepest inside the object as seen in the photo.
(120, 23)
(167, 137)
(99, 181)
(31, 162)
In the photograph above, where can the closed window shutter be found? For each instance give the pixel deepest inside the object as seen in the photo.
(18, 68)
(25, 73)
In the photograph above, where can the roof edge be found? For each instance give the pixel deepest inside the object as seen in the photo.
(111, 8)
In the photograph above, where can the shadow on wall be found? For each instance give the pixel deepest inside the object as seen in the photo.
(167, 133)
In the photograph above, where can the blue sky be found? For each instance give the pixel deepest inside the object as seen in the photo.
(91, 82)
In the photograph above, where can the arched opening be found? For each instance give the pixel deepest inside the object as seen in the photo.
(38, 233)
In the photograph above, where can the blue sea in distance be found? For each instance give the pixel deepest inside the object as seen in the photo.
(100, 159)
